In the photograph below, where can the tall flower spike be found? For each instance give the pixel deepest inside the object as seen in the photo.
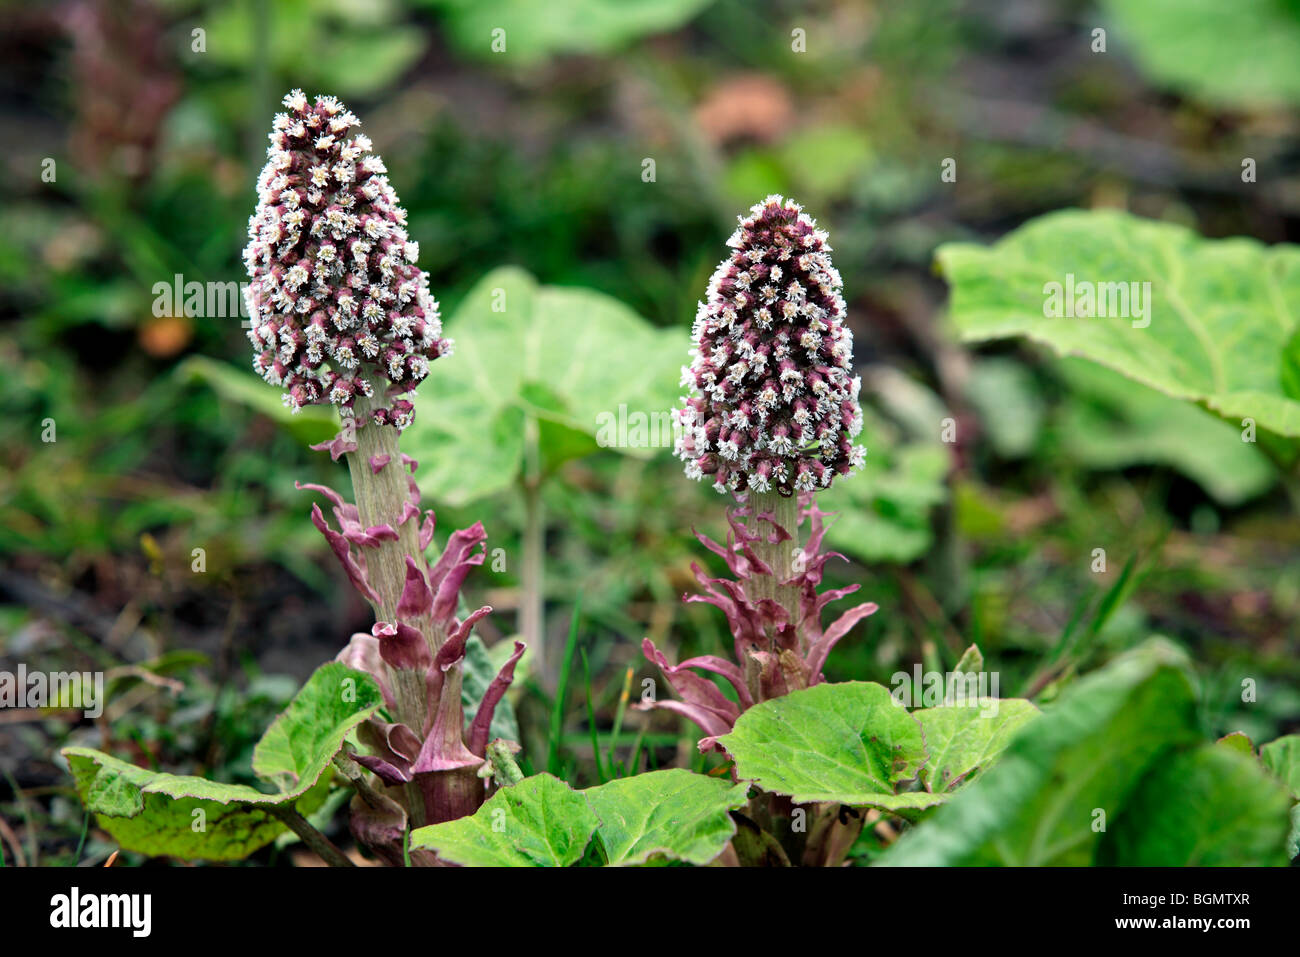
(338, 307)
(772, 417)
(774, 403)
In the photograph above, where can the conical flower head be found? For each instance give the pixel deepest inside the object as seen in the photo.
(774, 405)
(338, 307)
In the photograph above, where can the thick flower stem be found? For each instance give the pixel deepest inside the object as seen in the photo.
(381, 498)
(781, 556)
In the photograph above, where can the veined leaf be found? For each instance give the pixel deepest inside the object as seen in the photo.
(1069, 772)
(1219, 313)
(963, 739)
(1210, 807)
(573, 360)
(191, 817)
(673, 814)
(542, 822)
(851, 743)
(539, 822)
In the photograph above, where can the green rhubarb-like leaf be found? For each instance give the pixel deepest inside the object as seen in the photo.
(851, 743)
(539, 822)
(185, 816)
(1068, 772)
(567, 359)
(1220, 315)
(533, 31)
(1237, 54)
(1282, 758)
(673, 814)
(962, 740)
(1112, 422)
(1209, 807)
(302, 741)
(542, 822)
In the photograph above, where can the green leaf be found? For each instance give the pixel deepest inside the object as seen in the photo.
(1237, 741)
(534, 30)
(1242, 53)
(303, 740)
(156, 824)
(1085, 754)
(1210, 807)
(324, 46)
(971, 660)
(1282, 758)
(963, 739)
(1009, 403)
(1219, 313)
(673, 813)
(313, 424)
(882, 513)
(850, 743)
(539, 822)
(1112, 422)
(574, 361)
(190, 817)
(542, 822)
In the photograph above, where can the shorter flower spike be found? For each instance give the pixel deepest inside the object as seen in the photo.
(774, 402)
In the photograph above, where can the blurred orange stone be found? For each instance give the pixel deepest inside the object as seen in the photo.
(164, 336)
(748, 106)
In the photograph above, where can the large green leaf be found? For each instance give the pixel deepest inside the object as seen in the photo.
(1069, 772)
(566, 359)
(1219, 317)
(302, 741)
(961, 740)
(673, 813)
(325, 46)
(535, 30)
(1209, 807)
(1242, 53)
(851, 743)
(1112, 422)
(191, 817)
(882, 513)
(542, 822)
(539, 822)
(1282, 758)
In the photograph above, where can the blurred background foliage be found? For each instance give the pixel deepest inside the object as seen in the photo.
(531, 160)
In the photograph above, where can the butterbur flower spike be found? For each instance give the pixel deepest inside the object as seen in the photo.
(339, 309)
(772, 417)
(342, 315)
(774, 403)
